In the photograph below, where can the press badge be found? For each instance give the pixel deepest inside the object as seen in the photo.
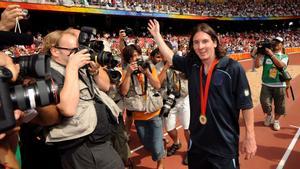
(273, 73)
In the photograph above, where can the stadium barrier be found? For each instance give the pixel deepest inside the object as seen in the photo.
(292, 50)
(241, 56)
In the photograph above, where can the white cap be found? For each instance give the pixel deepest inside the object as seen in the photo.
(279, 39)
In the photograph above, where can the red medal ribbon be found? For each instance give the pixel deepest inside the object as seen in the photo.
(204, 95)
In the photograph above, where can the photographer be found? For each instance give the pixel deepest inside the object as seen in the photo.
(123, 39)
(174, 87)
(82, 136)
(273, 59)
(138, 80)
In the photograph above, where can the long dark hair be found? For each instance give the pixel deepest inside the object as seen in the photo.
(129, 50)
(203, 27)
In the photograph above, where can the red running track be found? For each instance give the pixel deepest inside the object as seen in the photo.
(274, 147)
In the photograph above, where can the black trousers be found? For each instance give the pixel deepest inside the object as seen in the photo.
(199, 159)
(91, 156)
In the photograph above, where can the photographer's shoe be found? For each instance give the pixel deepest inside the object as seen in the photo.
(268, 120)
(172, 150)
(276, 125)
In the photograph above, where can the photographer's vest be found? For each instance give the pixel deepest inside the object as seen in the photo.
(270, 75)
(84, 121)
(175, 83)
(137, 87)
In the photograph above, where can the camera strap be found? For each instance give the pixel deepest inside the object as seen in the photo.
(278, 68)
(87, 79)
(292, 92)
(171, 84)
(17, 26)
(139, 88)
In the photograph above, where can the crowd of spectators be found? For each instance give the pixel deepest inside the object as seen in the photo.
(219, 8)
(243, 42)
(235, 42)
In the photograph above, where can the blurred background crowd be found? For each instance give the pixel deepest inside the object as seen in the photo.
(225, 8)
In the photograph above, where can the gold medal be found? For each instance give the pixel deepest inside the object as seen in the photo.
(203, 119)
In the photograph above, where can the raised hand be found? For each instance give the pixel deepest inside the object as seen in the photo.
(153, 27)
(132, 67)
(269, 52)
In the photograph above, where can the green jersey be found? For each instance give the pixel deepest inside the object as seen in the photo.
(270, 75)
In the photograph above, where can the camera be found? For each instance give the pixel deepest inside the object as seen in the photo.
(262, 45)
(114, 75)
(129, 31)
(33, 65)
(95, 48)
(38, 94)
(16, 96)
(143, 64)
(87, 41)
(169, 103)
(25, 12)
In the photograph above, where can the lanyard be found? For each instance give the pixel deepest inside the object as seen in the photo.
(204, 95)
(17, 26)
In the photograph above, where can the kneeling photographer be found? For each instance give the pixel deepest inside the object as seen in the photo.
(176, 100)
(139, 88)
(82, 136)
(271, 56)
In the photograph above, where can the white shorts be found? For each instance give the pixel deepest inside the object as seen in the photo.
(182, 110)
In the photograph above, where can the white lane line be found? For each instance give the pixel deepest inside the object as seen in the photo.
(288, 151)
(140, 147)
(244, 60)
(295, 126)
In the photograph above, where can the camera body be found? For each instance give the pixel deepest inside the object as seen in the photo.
(143, 64)
(129, 31)
(87, 41)
(169, 103)
(7, 119)
(262, 45)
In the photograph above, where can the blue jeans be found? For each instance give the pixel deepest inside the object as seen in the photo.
(151, 135)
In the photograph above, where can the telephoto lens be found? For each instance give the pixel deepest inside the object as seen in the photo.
(114, 75)
(168, 105)
(41, 93)
(33, 65)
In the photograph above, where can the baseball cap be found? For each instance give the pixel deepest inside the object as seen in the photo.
(279, 39)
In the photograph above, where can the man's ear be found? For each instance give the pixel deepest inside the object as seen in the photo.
(53, 51)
